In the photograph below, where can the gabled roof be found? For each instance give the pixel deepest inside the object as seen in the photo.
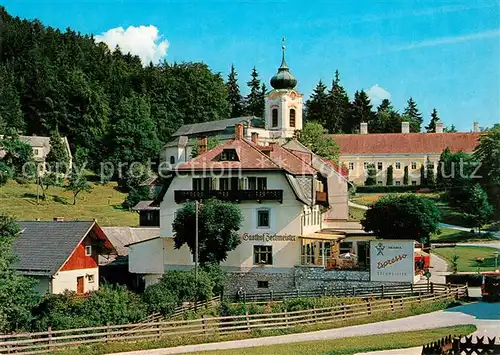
(211, 126)
(122, 236)
(249, 158)
(43, 247)
(145, 206)
(288, 160)
(405, 143)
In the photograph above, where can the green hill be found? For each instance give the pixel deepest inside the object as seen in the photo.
(102, 203)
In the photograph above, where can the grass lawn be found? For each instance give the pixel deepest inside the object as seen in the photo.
(353, 345)
(356, 214)
(449, 235)
(467, 257)
(371, 198)
(102, 203)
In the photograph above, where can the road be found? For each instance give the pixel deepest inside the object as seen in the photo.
(486, 316)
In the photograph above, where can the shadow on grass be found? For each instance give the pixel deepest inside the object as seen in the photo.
(61, 200)
(31, 195)
(120, 208)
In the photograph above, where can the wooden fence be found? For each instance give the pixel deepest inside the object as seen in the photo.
(42, 342)
(366, 291)
(452, 345)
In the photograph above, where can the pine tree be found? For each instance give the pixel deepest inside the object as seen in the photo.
(452, 129)
(423, 180)
(234, 97)
(57, 160)
(387, 119)
(263, 93)
(413, 115)
(316, 106)
(11, 116)
(254, 100)
(390, 175)
(430, 178)
(338, 107)
(406, 176)
(432, 124)
(371, 177)
(361, 110)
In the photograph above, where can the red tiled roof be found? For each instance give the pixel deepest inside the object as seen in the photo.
(405, 143)
(341, 169)
(249, 156)
(288, 160)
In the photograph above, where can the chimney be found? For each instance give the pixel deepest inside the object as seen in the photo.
(238, 131)
(476, 127)
(439, 127)
(202, 145)
(363, 129)
(405, 127)
(59, 219)
(255, 138)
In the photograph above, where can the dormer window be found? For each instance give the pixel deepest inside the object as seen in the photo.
(292, 117)
(275, 117)
(228, 155)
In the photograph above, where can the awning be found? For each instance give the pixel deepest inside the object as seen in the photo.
(323, 236)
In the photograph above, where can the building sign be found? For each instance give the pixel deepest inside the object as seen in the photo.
(392, 260)
(267, 237)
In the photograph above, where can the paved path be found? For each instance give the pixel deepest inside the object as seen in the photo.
(438, 270)
(491, 244)
(486, 316)
(361, 207)
(451, 226)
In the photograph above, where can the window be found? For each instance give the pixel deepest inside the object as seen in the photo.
(413, 164)
(172, 159)
(252, 183)
(261, 183)
(263, 218)
(35, 151)
(88, 250)
(365, 164)
(398, 183)
(292, 117)
(398, 165)
(197, 184)
(228, 155)
(149, 216)
(90, 278)
(380, 165)
(380, 182)
(262, 254)
(414, 183)
(345, 247)
(351, 165)
(274, 122)
(262, 284)
(224, 184)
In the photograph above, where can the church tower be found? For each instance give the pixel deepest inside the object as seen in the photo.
(283, 106)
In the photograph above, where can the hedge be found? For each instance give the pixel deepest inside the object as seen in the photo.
(393, 188)
(473, 280)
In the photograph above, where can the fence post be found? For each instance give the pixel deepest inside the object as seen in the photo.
(353, 291)
(271, 294)
(108, 330)
(298, 293)
(49, 330)
(245, 296)
(411, 288)
(456, 345)
(344, 314)
(314, 315)
(392, 303)
(402, 304)
(448, 289)
(286, 318)
(382, 291)
(432, 287)
(158, 332)
(467, 290)
(248, 321)
(420, 297)
(204, 323)
(369, 306)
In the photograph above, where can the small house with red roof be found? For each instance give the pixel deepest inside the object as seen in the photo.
(61, 255)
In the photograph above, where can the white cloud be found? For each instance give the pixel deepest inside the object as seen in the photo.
(450, 40)
(143, 41)
(377, 94)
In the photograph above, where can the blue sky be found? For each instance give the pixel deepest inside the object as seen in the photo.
(446, 54)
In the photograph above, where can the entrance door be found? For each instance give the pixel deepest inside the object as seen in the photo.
(79, 284)
(362, 254)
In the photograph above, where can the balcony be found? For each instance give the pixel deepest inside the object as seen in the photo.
(321, 198)
(229, 195)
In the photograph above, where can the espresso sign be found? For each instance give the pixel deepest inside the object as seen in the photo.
(392, 260)
(267, 237)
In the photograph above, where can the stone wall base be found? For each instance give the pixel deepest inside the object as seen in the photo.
(302, 278)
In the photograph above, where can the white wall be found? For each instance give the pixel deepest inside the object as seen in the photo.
(66, 280)
(146, 257)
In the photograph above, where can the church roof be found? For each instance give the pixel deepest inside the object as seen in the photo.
(215, 126)
(283, 79)
(405, 143)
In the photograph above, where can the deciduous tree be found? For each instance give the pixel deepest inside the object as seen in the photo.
(313, 136)
(410, 216)
(77, 183)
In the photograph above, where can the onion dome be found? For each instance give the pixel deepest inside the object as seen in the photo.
(283, 78)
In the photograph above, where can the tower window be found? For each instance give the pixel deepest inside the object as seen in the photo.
(172, 159)
(292, 117)
(275, 117)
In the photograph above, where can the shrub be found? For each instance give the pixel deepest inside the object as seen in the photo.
(383, 189)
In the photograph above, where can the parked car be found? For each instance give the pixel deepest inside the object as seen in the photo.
(490, 288)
